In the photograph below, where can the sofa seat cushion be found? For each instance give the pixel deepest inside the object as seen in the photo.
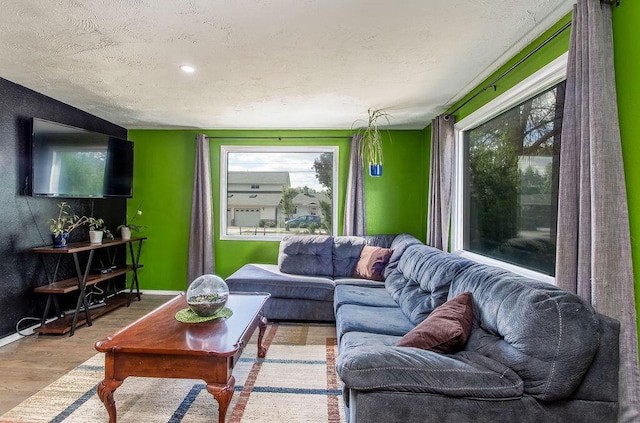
(362, 295)
(359, 282)
(382, 320)
(366, 339)
(267, 278)
(390, 368)
(421, 281)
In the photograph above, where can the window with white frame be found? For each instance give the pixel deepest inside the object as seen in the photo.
(506, 194)
(269, 192)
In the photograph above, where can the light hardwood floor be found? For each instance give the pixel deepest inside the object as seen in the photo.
(33, 362)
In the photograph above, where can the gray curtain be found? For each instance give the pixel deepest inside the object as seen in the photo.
(355, 218)
(594, 248)
(440, 181)
(201, 259)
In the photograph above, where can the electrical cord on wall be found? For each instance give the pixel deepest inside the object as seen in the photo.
(22, 320)
(33, 218)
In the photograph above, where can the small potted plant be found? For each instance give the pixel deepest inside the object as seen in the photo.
(63, 224)
(371, 142)
(125, 230)
(97, 230)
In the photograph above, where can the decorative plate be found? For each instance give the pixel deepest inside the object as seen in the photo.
(186, 315)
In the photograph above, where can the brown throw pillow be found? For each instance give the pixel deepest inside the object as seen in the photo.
(446, 329)
(372, 262)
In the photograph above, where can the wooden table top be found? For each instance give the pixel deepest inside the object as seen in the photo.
(160, 333)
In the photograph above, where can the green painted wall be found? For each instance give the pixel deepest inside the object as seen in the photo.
(163, 161)
(163, 179)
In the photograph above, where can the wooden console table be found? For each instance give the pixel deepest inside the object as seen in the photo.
(83, 279)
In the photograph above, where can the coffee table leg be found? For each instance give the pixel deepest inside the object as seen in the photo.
(222, 394)
(262, 324)
(105, 392)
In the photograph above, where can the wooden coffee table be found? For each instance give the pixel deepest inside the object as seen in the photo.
(157, 345)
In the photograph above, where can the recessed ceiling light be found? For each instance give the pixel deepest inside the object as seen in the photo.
(187, 68)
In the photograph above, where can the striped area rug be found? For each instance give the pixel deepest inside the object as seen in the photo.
(296, 382)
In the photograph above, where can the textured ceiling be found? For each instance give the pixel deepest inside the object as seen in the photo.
(263, 63)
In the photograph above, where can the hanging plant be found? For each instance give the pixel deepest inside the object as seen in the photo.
(371, 142)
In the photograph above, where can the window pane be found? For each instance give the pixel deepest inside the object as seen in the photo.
(511, 183)
(276, 191)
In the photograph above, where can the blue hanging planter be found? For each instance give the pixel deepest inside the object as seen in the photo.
(375, 170)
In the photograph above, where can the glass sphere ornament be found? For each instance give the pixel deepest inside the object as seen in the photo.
(207, 295)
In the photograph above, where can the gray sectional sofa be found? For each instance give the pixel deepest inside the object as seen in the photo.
(534, 352)
(309, 268)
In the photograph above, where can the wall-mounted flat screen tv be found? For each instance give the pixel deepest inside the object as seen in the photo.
(76, 163)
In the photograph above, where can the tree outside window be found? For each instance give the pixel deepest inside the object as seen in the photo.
(511, 165)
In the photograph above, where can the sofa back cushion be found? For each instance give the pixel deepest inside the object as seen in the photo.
(381, 240)
(306, 255)
(346, 253)
(420, 283)
(546, 335)
(398, 245)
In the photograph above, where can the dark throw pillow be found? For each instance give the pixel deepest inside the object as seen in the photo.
(372, 262)
(446, 329)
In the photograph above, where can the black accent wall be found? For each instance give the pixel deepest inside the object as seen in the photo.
(23, 219)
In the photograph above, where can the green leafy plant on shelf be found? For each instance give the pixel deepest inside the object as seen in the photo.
(66, 221)
(98, 225)
(130, 223)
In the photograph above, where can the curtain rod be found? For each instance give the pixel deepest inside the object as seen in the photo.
(302, 137)
(531, 53)
(492, 84)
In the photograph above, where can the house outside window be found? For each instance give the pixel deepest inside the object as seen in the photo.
(265, 191)
(508, 157)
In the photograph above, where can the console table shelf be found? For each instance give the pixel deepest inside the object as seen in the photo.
(83, 312)
(62, 325)
(69, 285)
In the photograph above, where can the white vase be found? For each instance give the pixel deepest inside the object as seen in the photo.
(95, 237)
(125, 233)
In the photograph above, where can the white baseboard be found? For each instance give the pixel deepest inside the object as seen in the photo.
(23, 332)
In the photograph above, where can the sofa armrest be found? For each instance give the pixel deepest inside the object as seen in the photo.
(406, 369)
